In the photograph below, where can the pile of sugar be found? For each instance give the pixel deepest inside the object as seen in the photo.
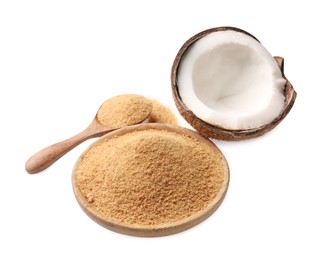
(150, 177)
(161, 114)
(124, 110)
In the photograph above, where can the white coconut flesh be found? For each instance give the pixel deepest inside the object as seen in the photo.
(229, 79)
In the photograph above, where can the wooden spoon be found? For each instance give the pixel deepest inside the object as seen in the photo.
(114, 113)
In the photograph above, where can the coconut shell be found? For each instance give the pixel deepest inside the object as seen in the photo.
(217, 132)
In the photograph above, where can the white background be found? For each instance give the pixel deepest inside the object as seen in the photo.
(59, 60)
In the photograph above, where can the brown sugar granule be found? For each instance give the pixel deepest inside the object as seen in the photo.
(161, 114)
(150, 177)
(124, 110)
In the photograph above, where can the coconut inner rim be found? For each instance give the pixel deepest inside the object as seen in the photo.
(229, 79)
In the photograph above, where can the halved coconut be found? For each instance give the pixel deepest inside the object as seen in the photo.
(228, 86)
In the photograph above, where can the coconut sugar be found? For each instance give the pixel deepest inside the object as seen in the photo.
(124, 110)
(149, 177)
(161, 114)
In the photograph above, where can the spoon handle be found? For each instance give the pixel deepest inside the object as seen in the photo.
(47, 156)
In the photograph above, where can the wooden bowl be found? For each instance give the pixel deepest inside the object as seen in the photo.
(160, 229)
